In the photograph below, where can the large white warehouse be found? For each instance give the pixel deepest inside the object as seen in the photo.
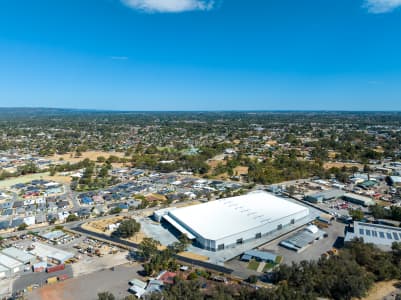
(223, 223)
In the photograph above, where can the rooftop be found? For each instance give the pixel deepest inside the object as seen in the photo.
(9, 262)
(375, 233)
(17, 254)
(45, 251)
(225, 217)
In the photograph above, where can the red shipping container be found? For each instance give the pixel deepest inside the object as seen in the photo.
(39, 269)
(55, 268)
(63, 277)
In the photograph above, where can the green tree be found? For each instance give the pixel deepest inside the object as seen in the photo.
(22, 227)
(148, 248)
(356, 214)
(105, 296)
(115, 210)
(127, 228)
(252, 279)
(72, 218)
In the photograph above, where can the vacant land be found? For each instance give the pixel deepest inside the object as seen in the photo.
(194, 256)
(383, 289)
(92, 155)
(339, 165)
(86, 287)
(23, 179)
(100, 226)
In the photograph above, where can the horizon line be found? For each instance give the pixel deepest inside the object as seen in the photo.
(201, 110)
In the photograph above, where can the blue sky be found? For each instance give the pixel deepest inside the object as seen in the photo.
(201, 55)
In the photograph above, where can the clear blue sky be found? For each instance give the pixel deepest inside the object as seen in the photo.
(201, 55)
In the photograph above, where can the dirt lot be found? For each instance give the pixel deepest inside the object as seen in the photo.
(101, 225)
(340, 165)
(383, 290)
(194, 256)
(86, 287)
(92, 155)
(58, 178)
(241, 170)
(93, 264)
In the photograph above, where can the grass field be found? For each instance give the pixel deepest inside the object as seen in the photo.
(92, 155)
(383, 289)
(268, 266)
(253, 265)
(22, 179)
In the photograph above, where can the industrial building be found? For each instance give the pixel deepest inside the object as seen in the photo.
(302, 239)
(380, 235)
(395, 181)
(17, 254)
(50, 253)
(328, 195)
(4, 272)
(358, 199)
(259, 256)
(13, 266)
(224, 223)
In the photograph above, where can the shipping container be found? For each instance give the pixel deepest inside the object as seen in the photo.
(63, 277)
(39, 269)
(52, 280)
(55, 268)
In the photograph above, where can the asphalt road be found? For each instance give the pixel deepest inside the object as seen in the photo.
(31, 278)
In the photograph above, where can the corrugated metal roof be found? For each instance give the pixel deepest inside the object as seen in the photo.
(18, 254)
(9, 262)
(375, 233)
(262, 255)
(217, 219)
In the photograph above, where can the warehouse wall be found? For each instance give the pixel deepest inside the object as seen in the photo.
(249, 235)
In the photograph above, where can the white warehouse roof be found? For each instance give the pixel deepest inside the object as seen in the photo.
(9, 262)
(45, 251)
(18, 254)
(215, 220)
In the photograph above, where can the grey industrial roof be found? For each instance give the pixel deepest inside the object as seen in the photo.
(375, 233)
(53, 235)
(366, 200)
(43, 250)
(9, 262)
(18, 254)
(262, 255)
(328, 194)
(3, 269)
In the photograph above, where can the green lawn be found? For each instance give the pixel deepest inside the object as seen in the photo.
(6, 183)
(253, 265)
(268, 266)
(279, 259)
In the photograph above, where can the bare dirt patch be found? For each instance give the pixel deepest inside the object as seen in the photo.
(194, 256)
(101, 226)
(382, 289)
(92, 155)
(241, 170)
(340, 165)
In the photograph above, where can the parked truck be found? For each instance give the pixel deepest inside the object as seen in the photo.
(52, 280)
(55, 268)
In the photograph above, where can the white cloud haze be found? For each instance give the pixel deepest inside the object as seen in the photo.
(382, 6)
(169, 6)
